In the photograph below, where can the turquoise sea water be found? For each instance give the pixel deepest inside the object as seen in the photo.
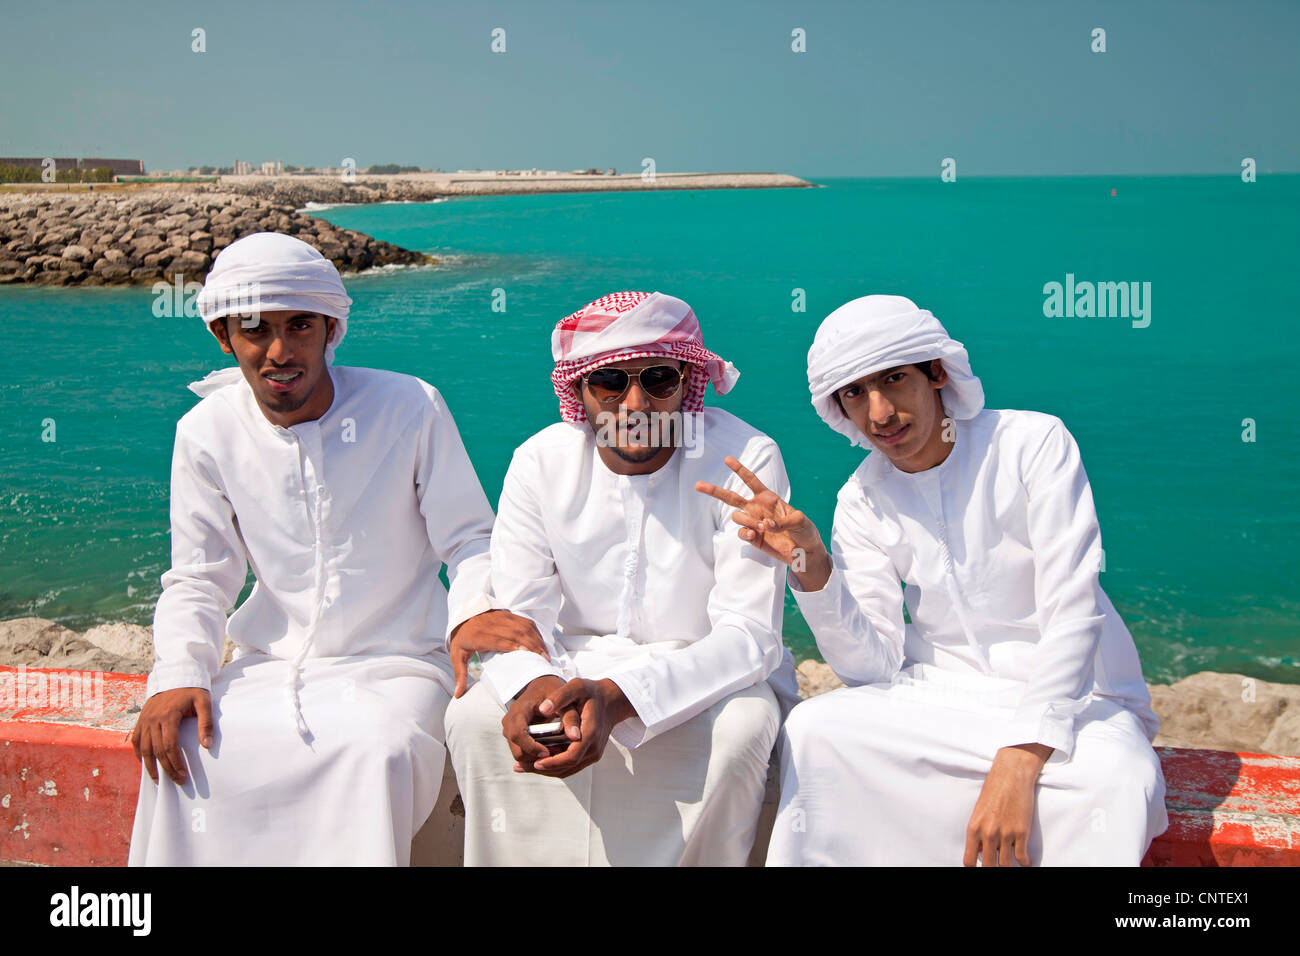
(1200, 527)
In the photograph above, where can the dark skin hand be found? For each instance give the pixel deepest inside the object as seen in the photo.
(998, 832)
(589, 711)
(156, 737)
(771, 525)
(157, 730)
(491, 631)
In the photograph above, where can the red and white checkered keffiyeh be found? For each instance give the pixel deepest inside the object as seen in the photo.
(627, 325)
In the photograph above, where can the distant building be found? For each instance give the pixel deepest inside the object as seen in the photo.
(120, 167)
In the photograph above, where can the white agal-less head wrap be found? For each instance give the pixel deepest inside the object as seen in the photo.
(877, 332)
(268, 272)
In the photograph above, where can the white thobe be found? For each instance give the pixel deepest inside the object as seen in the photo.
(329, 719)
(643, 580)
(1009, 639)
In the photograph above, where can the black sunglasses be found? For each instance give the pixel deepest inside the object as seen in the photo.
(611, 384)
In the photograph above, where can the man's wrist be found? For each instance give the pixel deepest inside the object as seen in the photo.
(817, 570)
(619, 706)
(538, 687)
(1026, 759)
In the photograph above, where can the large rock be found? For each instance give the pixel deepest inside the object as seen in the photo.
(816, 678)
(1228, 712)
(119, 647)
(1284, 738)
(36, 642)
(130, 641)
(143, 245)
(114, 272)
(330, 249)
(191, 263)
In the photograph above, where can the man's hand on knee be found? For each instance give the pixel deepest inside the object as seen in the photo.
(998, 832)
(498, 631)
(157, 731)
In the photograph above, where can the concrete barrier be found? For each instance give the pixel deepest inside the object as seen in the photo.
(69, 782)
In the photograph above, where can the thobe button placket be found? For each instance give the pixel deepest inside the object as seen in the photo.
(931, 489)
(948, 565)
(634, 508)
(310, 472)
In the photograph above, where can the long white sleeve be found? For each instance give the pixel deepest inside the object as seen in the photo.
(745, 609)
(857, 616)
(209, 565)
(1066, 541)
(525, 582)
(456, 512)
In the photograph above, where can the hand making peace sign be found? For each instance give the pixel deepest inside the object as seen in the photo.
(771, 525)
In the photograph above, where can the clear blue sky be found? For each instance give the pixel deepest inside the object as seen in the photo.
(884, 89)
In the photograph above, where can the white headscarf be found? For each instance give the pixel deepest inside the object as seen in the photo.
(266, 272)
(877, 332)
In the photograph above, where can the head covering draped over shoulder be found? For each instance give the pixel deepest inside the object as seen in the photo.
(267, 272)
(627, 325)
(877, 332)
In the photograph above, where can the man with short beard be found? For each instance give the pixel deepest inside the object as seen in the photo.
(346, 489)
(664, 630)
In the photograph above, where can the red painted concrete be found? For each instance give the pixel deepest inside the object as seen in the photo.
(68, 787)
(1229, 809)
(67, 795)
(68, 778)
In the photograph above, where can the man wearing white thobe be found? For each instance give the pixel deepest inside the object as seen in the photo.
(664, 630)
(1005, 717)
(346, 489)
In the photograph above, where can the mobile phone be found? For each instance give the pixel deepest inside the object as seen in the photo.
(550, 734)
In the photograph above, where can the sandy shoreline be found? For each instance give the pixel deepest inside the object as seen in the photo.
(422, 187)
(1208, 710)
(300, 190)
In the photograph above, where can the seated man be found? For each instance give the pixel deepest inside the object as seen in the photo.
(1005, 718)
(347, 489)
(663, 629)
